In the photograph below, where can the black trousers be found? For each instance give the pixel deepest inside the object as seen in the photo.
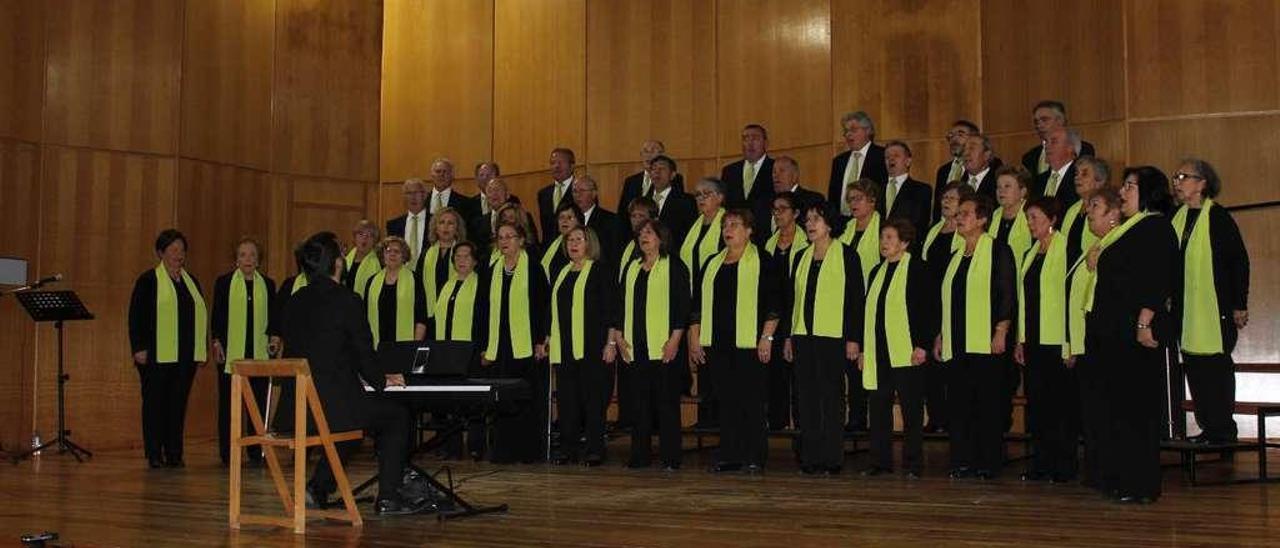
(1052, 411)
(935, 392)
(977, 424)
(1095, 407)
(908, 384)
(781, 403)
(625, 398)
(1212, 380)
(708, 397)
(819, 376)
(259, 386)
(1130, 452)
(165, 390)
(581, 405)
(741, 383)
(388, 422)
(655, 391)
(1012, 381)
(856, 397)
(519, 432)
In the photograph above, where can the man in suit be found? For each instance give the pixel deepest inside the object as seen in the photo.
(605, 223)
(480, 229)
(904, 197)
(863, 160)
(641, 183)
(412, 226)
(443, 194)
(749, 182)
(954, 169)
(979, 165)
(560, 190)
(485, 172)
(325, 324)
(786, 178)
(1047, 116)
(1059, 181)
(676, 209)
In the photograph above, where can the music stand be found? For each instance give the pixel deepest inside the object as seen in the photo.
(56, 307)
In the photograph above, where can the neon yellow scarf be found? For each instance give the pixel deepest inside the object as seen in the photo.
(897, 328)
(1053, 275)
(517, 311)
(868, 247)
(657, 321)
(828, 313)
(463, 309)
(579, 312)
(692, 258)
(977, 314)
(368, 267)
(747, 302)
(237, 317)
(167, 318)
(404, 304)
(1201, 327)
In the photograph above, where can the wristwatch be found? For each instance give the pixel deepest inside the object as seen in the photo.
(1142, 326)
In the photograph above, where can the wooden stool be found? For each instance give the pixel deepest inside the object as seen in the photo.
(305, 397)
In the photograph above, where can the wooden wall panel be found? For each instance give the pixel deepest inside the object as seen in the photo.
(19, 222)
(437, 76)
(112, 75)
(21, 68)
(913, 79)
(216, 206)
(1068, 50)
(1241, 148)
(815, 165)
(774, 68)
(333, 205)
(100, 214)
(326, 88)
(539, 94)
(226, 81)
(1258, 341)
(1208, 56)
(651, 74)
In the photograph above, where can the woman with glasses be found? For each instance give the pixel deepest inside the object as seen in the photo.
(395, 300)
(362, 258)
(568, 217)
(977, 297)
(701, 242)
(826, 300)
(862, 233)
(516, 336)
(1009, 227)
(1212, 298)
(460, 316)
(1126, 322)
(732, 329)
(939, 244)
(783, 247)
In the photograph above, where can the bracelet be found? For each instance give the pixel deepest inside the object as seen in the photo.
(1143, 326)
(767, 337)
(613, 343)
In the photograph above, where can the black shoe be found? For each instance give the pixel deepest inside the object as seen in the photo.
(721, 467)
(833, 470)
(174, 463)
(873, 471)
(1060, 479)
(930, 429)
(155, 462)
(670, 467)
(753, 469)
(477, 456)
(316, 499)
(809, 470)
(960, 473)
(560, 460)
(1199, 439)
(593, 461)
(636, 465)
(397, 507)
(984, 475)
(913, 475)
(1034, 475)
(1135, 499)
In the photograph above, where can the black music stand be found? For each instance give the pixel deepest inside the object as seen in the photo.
(56, 307)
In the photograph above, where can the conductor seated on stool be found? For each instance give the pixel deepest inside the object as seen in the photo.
(325, 323)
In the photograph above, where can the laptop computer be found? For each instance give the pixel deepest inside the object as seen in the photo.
(427, 359)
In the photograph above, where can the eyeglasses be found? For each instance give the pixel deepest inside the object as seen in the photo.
(951, 134)
(1180, 177)
(1129, 184)
(780, 209)
(704, 194)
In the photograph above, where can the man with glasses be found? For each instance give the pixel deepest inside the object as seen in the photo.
(641, 183)
(863, 160)
(953, 170)
(1058, 182)
(1047, 116)
(412, 226)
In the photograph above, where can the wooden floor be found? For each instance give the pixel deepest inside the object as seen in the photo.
(114, 500)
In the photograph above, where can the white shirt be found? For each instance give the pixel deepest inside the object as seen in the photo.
(1062, 176)
(484, 204)
(862, 163)
(645, 184)
(979, 176)
(422, 230)
(660, 196)
(586, 215)
(443, 197)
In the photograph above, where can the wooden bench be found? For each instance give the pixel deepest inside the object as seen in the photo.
(305, 398)
(1189, 451)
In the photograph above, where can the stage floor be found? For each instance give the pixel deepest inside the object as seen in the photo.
(115, 500)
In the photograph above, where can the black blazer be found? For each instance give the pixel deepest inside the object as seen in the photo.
(632, 185)
(940, 182)
(987, 186)
(600, 311)
(912, 204)
(142, 318)
(547, 210)
(761, 199)
(804, 199)
(872, 168)
(1066, 188)
(325, 323)
(222, 308)
(609, 229)
(1031, 159)
(678, 214)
